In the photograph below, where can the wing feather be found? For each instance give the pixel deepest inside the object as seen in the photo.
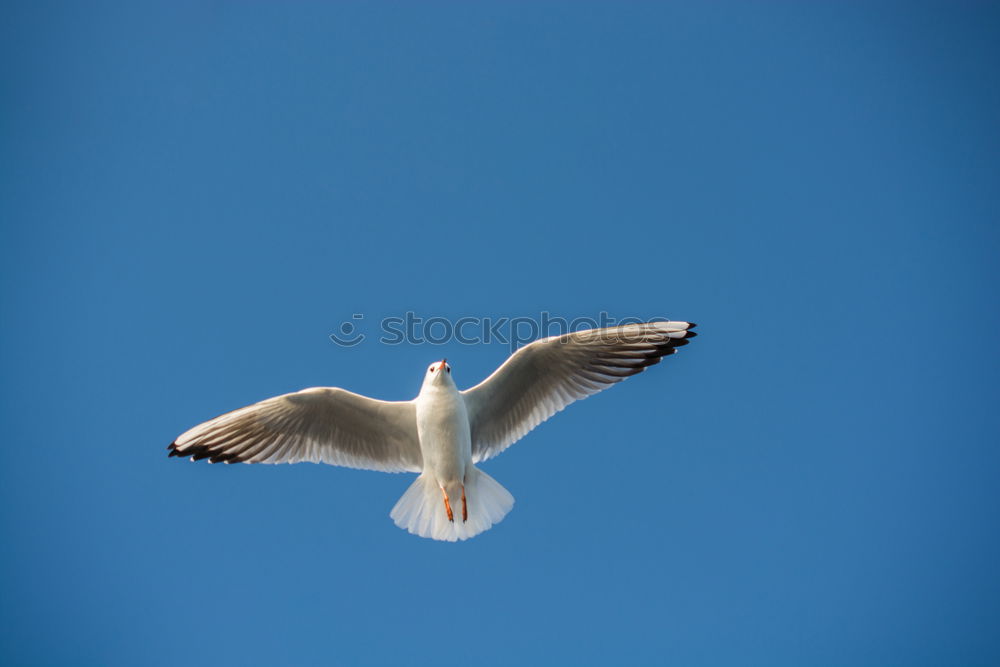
(544, 377)
(321, 425)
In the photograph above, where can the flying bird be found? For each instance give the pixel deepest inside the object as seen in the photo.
(443, 432)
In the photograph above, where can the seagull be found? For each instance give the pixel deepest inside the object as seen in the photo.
(443, 432)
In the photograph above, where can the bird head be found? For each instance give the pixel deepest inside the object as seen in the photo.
(439, 372)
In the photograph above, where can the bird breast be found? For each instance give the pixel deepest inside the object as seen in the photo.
(444, 433)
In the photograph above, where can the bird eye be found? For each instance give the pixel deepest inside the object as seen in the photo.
(448, 368)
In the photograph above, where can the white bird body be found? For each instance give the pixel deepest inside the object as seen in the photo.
(443, 432)
(448, 474)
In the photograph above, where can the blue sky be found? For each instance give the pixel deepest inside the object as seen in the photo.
(193, 196)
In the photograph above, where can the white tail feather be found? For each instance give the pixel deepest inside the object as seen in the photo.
(421, 509)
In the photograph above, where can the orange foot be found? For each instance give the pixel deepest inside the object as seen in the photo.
(465, 507)
(447, 506)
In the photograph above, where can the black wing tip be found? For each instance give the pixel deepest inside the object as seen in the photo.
(196, 453)
(226, 458)
(692, 325)
(192, 452)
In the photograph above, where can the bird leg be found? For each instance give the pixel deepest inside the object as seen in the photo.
(465, 508)
(447, 506)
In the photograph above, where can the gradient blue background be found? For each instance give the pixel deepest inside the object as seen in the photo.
(195, 195)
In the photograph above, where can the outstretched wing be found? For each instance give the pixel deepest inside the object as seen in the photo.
(322, 424)
(544, 377)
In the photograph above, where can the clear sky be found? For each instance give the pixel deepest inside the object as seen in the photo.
(194, 196)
